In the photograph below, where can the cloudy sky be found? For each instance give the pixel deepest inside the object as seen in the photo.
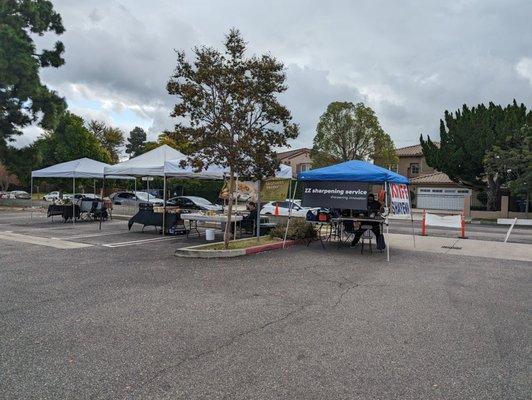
(409, 60)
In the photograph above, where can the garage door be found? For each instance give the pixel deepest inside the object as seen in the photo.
(441, 198)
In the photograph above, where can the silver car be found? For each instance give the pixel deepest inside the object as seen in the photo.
(134, 198)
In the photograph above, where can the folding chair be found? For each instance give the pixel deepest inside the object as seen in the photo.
(367, 235)
(349, 230)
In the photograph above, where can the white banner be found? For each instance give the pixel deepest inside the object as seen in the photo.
(400, 197)
(448, 221)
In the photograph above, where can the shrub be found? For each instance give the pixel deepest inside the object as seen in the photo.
(298, 229)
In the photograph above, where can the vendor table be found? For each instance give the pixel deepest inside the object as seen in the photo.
(148, 217)
(64, 210)
(336, 228)
(194, 218)
(340, 222)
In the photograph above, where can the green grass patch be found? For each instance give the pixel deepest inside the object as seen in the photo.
(241, 244)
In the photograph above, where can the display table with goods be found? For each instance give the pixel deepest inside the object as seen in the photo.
(346, 228)
(343, 229)
(66, 211)
(150, 216)
(208, 217)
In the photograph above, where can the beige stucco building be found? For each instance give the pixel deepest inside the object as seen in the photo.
(298, 159)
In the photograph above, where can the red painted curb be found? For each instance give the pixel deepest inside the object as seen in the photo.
(269, 246)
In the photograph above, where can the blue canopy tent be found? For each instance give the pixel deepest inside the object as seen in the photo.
(353, 171)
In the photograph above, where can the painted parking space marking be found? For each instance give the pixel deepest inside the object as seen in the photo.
(138, 242)
(90, 235)
(42, 241)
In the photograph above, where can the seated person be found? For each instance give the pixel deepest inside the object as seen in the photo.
(374, 210)
(252, 208)
(248, 221)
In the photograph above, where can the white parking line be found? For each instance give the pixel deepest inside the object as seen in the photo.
(89, 235)
(140, 241)
(42, 241)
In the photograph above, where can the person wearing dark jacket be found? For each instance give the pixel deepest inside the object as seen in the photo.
(374, 209)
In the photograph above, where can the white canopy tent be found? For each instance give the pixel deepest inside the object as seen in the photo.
(81, 168)
(174, 169)
(150, 163)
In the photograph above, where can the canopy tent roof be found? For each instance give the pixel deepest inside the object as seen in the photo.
(164, 160)
(354, 171)
(150, 163)
(81, 168)
(173, 168)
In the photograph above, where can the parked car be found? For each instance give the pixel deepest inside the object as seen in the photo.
(134, 198)
(284, 208)
(193, 203)
(19, 194)
(51, 196)
(85, 196)
(3, 194)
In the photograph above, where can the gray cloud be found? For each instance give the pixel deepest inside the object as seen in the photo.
(409, 60)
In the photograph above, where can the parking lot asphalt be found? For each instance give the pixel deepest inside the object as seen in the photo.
(124, 318)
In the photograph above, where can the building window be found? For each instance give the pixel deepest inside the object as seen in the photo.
(414, 168)
(302, 167)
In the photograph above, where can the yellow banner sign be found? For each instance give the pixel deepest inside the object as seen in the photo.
(274, 189)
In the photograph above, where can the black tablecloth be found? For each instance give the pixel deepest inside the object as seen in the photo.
(64, 210)
(151, 218)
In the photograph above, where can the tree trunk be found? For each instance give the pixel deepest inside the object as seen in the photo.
(227, 233)
(492, 195)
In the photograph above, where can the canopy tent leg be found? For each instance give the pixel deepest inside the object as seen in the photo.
(135, 186)
(103, 197)
(31, 197)
(164, 204)
(73, 198)
(236, 206)
(94, 187)
(387, 223)
(289, 214)
(258, 210)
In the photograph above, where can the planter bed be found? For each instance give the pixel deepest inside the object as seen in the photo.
(237, 248)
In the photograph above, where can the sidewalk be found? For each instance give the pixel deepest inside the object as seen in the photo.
(464, 247)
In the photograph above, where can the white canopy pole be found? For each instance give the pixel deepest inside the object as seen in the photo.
(103, 197)
(31, 197)
(258, 210)
(73, 206)
(289, 213)
(236, 206)
(164, 204)
(387, 223)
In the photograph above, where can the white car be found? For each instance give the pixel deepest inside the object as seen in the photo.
(51, 196)
(19, 194)
(284, 208)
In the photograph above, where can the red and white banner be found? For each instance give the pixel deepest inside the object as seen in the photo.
(400, 200)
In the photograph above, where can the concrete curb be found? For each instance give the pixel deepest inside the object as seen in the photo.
(198, 252)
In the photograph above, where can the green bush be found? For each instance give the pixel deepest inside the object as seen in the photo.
(298, 229)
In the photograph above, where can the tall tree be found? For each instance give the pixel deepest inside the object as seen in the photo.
(7, 178)
(465, 137)
(233, 117)
(70, 140)
(136, 142)
(23, 98)
(348, 131)
(511, 162)
(109, 137)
